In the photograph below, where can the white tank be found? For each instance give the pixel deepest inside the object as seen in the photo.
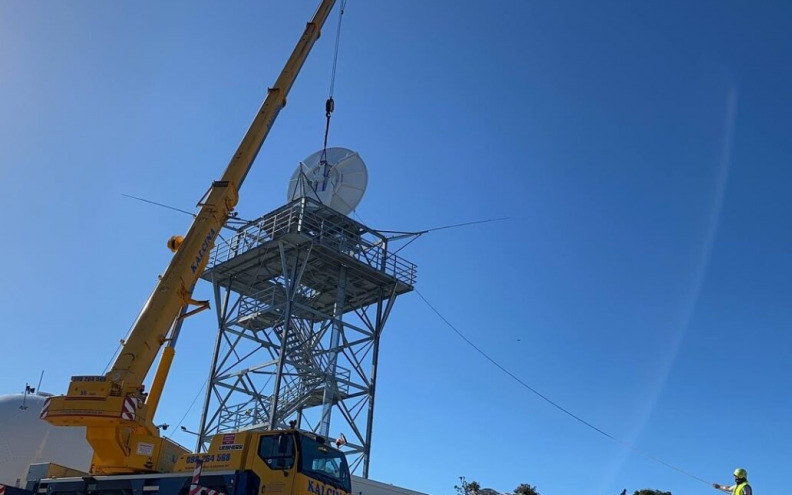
(26, 439)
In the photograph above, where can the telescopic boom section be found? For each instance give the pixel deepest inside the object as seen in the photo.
(99, 402)
(174, 288)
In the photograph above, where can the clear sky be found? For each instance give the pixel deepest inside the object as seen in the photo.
(640, 149)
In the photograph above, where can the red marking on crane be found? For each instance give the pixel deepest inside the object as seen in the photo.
(43, 415)
(195, 488)
(128, 412)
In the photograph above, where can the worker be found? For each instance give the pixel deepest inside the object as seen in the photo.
(740, 487)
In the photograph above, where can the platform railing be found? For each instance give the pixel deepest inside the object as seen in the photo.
(322, 225)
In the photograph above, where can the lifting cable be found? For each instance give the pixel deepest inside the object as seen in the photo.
(561, 408)
(175, 428)
(330, 103)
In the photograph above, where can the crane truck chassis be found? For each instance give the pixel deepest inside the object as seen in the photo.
(242, 463)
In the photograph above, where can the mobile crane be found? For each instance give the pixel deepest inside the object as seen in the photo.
(130, 456)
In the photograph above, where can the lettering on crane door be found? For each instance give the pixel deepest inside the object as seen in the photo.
(320, 489)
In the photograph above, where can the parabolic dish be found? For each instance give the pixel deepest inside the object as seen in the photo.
(339, 183)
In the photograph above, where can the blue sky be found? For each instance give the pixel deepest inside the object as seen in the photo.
(640, 150)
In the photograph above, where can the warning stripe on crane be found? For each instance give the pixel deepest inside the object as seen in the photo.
(195, 488)
(44, 411)
(2, 489)
(128, 412)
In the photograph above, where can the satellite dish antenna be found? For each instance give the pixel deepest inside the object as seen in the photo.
(338, 179)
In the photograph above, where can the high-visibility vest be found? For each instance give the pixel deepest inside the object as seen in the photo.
(738, 489)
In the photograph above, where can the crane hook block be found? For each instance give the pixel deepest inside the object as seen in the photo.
(174, 242)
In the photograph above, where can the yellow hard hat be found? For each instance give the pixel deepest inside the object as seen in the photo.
(740, 473)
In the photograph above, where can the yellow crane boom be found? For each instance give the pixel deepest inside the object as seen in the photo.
(118, 416)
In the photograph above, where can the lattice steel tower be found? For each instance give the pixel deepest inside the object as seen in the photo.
(302, 296)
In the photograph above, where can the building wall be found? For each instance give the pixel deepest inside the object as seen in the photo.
(26, 439)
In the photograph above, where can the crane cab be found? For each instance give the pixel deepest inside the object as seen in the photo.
(284, 462)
